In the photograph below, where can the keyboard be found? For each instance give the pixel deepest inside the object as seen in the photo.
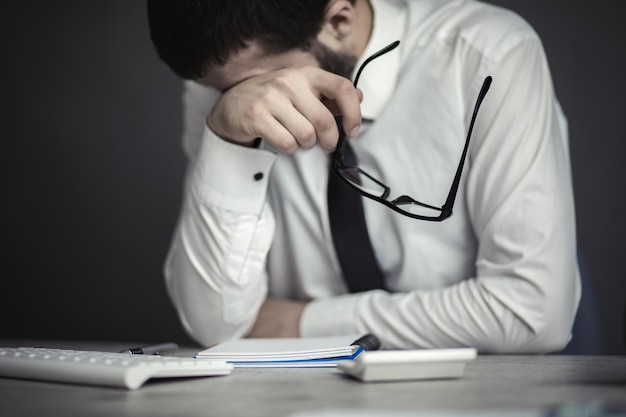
(121, 370)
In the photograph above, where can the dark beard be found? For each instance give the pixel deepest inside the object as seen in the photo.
(331, 61)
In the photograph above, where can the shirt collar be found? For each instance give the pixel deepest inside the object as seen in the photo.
(378, 79)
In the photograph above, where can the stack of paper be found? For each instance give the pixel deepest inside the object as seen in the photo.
(318, 352)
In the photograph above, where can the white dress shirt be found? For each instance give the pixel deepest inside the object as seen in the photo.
(500, 275)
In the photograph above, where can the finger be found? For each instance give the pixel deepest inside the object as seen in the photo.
(298, 125)
(321, 120)
(304, 98)
(332, 106)
(359, 93)
(345, 96)
(277, 134)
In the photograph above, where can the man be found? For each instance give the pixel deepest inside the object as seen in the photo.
(253, 252)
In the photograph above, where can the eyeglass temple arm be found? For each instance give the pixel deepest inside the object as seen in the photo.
(375, 55)
(338, 118)
(447, 207)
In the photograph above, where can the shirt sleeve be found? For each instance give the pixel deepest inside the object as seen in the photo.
(215, 269)
(525, 293)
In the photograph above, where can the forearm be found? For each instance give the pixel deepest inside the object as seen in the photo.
(215, 273)
(466, 314)
(215, 269)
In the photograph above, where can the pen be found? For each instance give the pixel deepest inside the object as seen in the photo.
(151, 349)
(368, 342)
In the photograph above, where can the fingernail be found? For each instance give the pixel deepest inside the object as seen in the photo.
(354, 132)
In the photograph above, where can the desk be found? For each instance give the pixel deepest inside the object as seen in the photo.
(492, 385)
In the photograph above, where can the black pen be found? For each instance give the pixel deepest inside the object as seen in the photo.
(151, 349)
(367, 342)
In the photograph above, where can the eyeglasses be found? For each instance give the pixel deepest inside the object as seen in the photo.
(376, 190)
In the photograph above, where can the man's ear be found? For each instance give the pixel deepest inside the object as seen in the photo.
(339, 20)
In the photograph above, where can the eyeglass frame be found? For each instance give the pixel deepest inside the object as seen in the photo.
(445, 210)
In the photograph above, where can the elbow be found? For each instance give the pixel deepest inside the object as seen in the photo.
(207, 316)
(550, 334)
(208, 335)
(537, 318)
(528, 341)
(554, 332)
(208, 320)
(550, 324)
(547, 340)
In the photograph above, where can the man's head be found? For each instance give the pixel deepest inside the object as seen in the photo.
(195, 36)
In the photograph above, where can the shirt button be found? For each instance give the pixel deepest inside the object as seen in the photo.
(258, 176)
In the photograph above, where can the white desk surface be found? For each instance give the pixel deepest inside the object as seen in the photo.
(493, 385)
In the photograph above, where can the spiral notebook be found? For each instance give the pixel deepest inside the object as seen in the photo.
(307, 352)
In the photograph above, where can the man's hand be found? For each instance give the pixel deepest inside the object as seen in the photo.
(278, 318)
(291, 108)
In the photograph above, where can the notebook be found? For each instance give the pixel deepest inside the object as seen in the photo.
(307, 352)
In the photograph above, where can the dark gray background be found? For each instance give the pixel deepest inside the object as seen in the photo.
(93, 167)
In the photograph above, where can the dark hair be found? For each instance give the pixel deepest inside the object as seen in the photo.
(190, 35)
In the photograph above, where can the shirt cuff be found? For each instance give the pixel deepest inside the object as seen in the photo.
(333, 316)
(230, 176)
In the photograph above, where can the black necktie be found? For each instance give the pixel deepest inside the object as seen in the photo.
(349, 231)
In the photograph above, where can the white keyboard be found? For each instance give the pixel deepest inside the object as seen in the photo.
(120, 370)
